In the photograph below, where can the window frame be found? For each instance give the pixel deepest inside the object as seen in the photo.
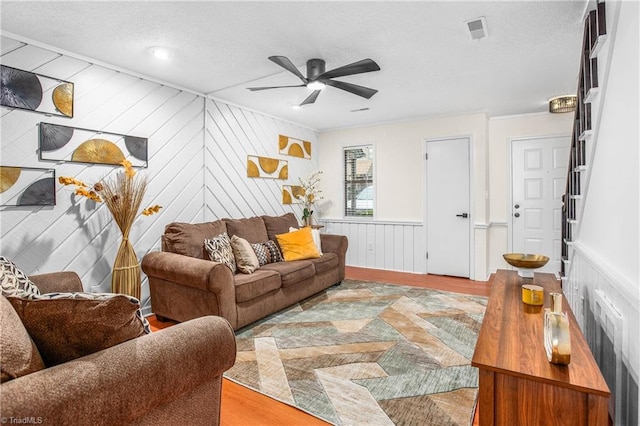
(344, 148)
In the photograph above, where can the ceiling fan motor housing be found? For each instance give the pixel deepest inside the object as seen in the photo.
(315, 67)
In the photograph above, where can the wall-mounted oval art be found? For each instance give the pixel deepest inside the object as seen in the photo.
(64, 143)
(35, 92)
(27, 186)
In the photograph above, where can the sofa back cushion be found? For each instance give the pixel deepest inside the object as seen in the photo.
(66, 326)
(279, 225)
(18, 355)
(188, 239)
(251, 229)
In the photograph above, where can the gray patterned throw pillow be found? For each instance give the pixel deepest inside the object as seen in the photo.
(14, 282)
(267, 252)
(219, 249)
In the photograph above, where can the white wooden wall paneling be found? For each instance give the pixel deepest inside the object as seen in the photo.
(77, 235)
(197, 165)
(382, 245)
(8, 44)
(242, 196)
(232, 134)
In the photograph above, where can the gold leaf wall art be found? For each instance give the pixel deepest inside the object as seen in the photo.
(36, 92)
(27, 186)
(264, 167)
(294, 147)
(64, 143)
(290, 194)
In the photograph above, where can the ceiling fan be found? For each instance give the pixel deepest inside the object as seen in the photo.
(317, 78)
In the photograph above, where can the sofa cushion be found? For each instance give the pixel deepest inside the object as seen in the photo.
(251, 229)
(246, 259)
(18, 354)
(261, 282)
(188, 239)
(297, 245)
(279, 224)
(219, 249)
(267, 252)
(325, 263)
(292, 272)
(66, 326)
(13, 281)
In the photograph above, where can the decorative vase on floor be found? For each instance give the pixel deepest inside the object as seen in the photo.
(125, 277)
(122, 194)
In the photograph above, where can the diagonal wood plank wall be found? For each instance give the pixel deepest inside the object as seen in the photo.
(197, 165)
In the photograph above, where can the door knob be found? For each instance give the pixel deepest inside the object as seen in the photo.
(465, 215)
(517, 214)
(517, 206)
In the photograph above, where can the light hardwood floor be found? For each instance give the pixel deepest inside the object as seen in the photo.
(242, 406)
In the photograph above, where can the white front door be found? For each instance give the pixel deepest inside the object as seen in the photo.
(448, 207)
(539, 174)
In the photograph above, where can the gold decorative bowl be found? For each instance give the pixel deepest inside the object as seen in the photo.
(525, 262)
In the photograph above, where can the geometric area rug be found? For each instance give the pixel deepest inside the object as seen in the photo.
(368, 353)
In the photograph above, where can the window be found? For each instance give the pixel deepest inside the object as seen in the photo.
(358, 181)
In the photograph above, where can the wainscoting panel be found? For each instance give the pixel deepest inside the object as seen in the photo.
(607, 316)
(232, 133)
(397, 246)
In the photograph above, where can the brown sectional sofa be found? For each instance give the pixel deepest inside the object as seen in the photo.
(185, 284)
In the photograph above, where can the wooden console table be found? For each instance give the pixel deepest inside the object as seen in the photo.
(518, 386)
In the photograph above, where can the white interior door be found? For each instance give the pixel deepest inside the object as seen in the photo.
(539, 175)
(448, 207)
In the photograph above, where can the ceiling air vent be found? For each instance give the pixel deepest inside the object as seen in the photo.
(477, 28)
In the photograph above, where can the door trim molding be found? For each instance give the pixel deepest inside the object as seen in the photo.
(472, 246)
(510, 143)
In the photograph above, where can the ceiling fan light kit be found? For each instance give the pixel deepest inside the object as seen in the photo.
(316, 85)
(317, 78)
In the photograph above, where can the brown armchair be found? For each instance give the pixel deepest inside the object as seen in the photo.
(173, 376)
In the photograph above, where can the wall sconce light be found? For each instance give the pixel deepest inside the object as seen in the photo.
(564, 103)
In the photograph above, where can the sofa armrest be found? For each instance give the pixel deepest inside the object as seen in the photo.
(62, 282)
(334, 244)
(189, 271)
(126, 382)
(337, 244)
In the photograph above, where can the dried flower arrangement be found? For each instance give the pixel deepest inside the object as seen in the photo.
(312, 193)
(123, 196)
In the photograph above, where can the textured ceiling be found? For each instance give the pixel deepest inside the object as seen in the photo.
(429, 64)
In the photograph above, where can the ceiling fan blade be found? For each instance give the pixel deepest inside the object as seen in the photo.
(365, 65)
(253, 89)
(365, 92)
(285, 63)
(311, 98)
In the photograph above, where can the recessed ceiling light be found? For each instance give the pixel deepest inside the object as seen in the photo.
(296, 107)
(160, 53)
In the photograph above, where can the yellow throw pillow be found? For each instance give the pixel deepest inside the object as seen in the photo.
(297, 245)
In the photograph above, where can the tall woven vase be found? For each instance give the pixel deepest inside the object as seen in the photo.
(126, 270)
